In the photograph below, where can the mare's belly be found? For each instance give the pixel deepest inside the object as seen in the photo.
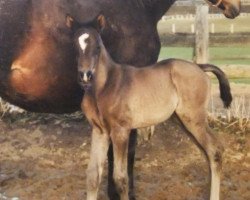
(44, 76)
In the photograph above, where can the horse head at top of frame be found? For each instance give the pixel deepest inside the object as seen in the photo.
(230, 8)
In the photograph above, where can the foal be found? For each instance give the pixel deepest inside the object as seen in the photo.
(119, 98)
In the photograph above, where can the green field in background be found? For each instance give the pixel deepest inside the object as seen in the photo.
(240, 80)
(218, 55)
(234, 80)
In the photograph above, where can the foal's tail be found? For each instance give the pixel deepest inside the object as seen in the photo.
(225, 91)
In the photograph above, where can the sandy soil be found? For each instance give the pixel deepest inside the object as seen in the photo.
(44, 157)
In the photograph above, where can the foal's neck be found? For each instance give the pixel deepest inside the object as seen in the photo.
(105, 64)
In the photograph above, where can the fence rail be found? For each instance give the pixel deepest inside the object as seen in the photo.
(192, 16)
(212, 28)
(217, 24)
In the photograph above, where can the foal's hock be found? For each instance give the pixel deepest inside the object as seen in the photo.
(119, 98)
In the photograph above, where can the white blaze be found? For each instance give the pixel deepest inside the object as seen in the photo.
(82, 41)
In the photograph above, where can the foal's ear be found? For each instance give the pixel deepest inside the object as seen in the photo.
(100, 23)
(72, 23)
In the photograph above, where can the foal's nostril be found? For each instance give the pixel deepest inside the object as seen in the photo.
(85, 76)
(81, 75)
(89, 75)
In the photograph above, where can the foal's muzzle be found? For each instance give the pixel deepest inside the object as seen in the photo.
(232, 12)
(85, 76)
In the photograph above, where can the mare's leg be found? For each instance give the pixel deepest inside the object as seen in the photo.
(112, 192)
(98, 154)
(195, 121)
(120, 141)
(131, 160)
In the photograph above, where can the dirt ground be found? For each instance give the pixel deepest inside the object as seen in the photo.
(44, 157)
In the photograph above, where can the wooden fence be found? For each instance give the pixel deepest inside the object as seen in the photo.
(200, 26)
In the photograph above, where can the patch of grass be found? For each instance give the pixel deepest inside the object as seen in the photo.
(218, 55)
(236, 118)
(230, 55)
(176, 52)
(240, 80)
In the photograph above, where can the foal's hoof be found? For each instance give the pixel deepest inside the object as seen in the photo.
(145, 134)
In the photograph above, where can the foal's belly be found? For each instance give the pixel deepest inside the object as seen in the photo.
(152, 96)
(154, 114)
(152, 106)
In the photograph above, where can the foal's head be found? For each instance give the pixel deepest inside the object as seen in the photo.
(231, 8)
(88, 44)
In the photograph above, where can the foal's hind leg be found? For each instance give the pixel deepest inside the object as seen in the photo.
(120, 140)
(196, 123)
(98, 154)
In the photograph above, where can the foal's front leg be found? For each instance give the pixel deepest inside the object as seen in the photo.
(120, 140)
(98, 154)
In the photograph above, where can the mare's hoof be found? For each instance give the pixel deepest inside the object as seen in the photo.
(145, 134)
(113, 195)
(114, 198)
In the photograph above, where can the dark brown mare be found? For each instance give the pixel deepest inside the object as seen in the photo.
(37, 59)
(119, 98)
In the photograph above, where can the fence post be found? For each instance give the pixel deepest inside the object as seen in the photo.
(232, 28)
(192, 28)
(201, 34)
(212, 28)
(173, 28)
